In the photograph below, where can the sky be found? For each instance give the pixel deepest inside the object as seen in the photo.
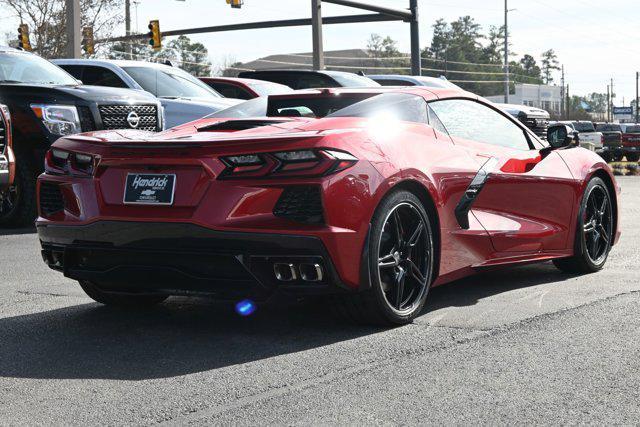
(595, 40)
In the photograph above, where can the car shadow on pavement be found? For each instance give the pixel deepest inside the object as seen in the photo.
(192, 335)
(17, 231)
(469, 291)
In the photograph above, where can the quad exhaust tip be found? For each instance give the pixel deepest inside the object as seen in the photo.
(287, 272)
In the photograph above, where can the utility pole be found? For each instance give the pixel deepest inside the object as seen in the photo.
(608, 103)
(612, 96)
(637, 106)
(506, 51)
(127, 27)
(316, 25)
(568, 105)
(416, 57)
(74, 32)
(562, 94)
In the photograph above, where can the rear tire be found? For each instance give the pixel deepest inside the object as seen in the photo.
(633, 157)
(18, 203)
(401, 261)
(594, 231)
(120, 300)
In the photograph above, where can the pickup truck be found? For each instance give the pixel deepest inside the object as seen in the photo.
(631, 141)
(587, 134)
(534, 118)
(45, 103)
(184, 98)
(612, 149)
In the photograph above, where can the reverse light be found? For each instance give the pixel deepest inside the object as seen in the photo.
(61, 162)
(297, 163)
(58, 119)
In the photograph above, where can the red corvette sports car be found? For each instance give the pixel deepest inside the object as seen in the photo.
(369, 195)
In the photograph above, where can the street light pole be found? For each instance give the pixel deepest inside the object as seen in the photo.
(316, 25)
(127, 26)
(74, 33)
(416, 57)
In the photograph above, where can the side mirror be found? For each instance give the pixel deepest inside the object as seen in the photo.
(561, 136)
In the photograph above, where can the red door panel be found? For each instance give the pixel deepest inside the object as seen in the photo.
(527, 204)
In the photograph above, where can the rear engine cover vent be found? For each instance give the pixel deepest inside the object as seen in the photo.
(300, 203)
(237, 125)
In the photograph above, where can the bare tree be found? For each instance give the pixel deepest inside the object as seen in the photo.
(46, 20)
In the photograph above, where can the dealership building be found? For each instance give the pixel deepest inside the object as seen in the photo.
(540, 96)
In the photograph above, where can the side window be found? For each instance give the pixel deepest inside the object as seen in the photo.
(435, 122)
(74, 70)
(99, 76)
(474, 121)
(391, 82)
(230, 91)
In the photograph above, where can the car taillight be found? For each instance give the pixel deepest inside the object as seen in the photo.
(298, 163)
(61, 162)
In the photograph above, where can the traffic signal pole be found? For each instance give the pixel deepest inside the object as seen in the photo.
(382, 14)
(74, 32)
(316, 28)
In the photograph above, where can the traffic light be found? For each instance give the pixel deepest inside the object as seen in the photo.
(236, 4)
(23, 37)
(154, 35)
(87, 40)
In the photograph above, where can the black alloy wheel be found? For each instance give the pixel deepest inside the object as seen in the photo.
(8, 201)
(400, 255)
(403, 258)
(595, 231)
(597, 224)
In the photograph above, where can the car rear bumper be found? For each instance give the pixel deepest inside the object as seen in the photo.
(185, 259)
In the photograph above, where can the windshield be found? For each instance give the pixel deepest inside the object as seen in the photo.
(632, 129)
(22, 68)
(170, 83)
(299, 106)
(607, 127)
(584, 126)
(398, 106)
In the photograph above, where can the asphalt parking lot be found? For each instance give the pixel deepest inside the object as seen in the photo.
(523, 345)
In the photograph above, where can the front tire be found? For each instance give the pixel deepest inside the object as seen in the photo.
(594, 233)
(401, 262)
(120, 300)
(18, 202)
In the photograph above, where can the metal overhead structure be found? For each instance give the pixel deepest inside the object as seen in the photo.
(381, 14)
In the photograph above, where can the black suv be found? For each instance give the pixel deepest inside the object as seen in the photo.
(306, 79)
(45, 103)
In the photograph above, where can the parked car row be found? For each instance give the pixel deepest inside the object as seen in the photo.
(46, 100)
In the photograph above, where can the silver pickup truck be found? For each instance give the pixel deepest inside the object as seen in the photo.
(587, 134)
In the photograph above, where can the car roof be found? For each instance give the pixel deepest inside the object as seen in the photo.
(116, 62)
(245, 81)
(14, 50)
(428, 93)
(287, 70)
